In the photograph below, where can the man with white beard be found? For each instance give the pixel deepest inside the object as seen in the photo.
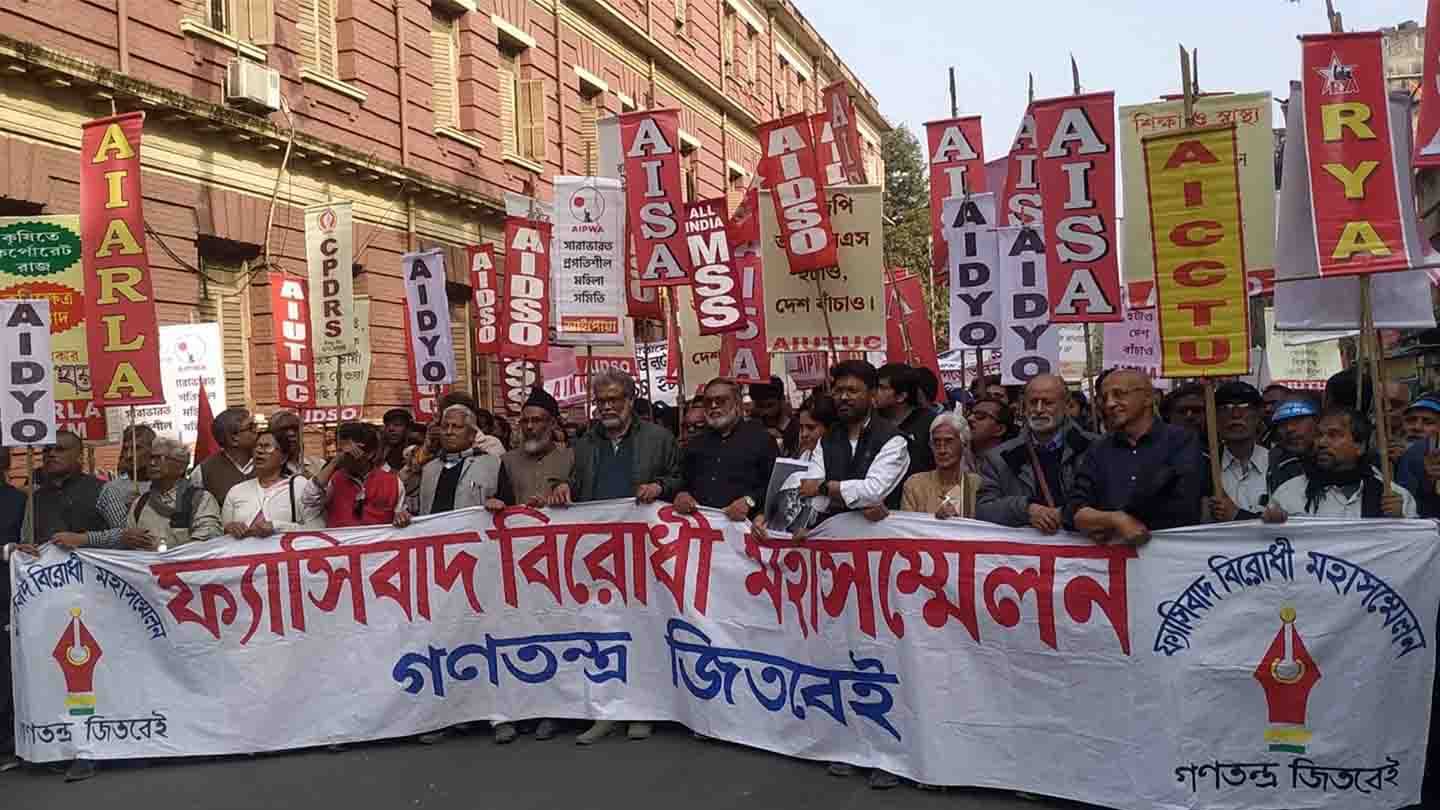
(727, 466)
(1025, 481)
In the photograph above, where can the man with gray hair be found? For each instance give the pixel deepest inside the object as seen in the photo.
(460, 477)
(1026, 481)
(173, 511)
(620, 457)
(234, 430)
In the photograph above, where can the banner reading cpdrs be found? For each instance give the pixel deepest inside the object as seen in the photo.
(1235, 666)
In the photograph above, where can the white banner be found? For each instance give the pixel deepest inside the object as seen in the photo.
(27, 411)
(1299, 365)
(1228, 667)
(189, 352)
(1134, 342)
(1029, 342)
(976, 309)
(432, 348)
(587, 262)
(1400, 300)
(653, 359)
(329, 252)
(355, 370)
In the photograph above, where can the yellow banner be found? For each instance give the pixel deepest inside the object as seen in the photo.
(40, 258)
(701, 352)
(1251, 115)
(1193, 184)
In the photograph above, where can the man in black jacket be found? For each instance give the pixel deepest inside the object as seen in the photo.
(863, 460)
(897, 398)
(726, 466)
(1028, 480)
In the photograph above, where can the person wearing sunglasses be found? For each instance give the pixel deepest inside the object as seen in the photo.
(353, 489)
(990, 421)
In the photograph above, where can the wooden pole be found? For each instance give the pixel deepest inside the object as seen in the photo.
(954, 99)
(683, 397)
(30, 495)
(1371, 336)
(1212, 435)
(134, 457)
(825, 312)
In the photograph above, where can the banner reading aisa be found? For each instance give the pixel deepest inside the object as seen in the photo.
(1224, 667)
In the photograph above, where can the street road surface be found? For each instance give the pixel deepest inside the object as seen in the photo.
(468, 772)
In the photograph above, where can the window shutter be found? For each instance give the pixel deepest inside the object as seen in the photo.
(442, 60)
(460, 337)
(253, 21)
(727, 41)
(317, 35)
(752, 55)
(589, 134)
(509, 140)
(534, 118)
(197, 10)
(227, 302)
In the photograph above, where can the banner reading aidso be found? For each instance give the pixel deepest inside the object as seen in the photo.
(1234, 667)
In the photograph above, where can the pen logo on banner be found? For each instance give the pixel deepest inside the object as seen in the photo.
(77, 652)
(1287, 674)
(1340, 78)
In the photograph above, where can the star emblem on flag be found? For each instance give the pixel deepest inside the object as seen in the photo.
(1339, 78)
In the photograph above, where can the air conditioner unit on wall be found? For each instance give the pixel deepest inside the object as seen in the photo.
(252, 85)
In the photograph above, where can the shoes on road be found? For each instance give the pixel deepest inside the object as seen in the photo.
(80, 770)
(9, 762)
(883, 780)
(433, 737)
(545, 730)
(639, 731)
(596, 732)
(505, 733)
(840, 769)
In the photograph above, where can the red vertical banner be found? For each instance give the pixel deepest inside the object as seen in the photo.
(121, 330)
(294, 351)
(674, 361)
(1076, 138)
(487, 295)
(745, 355)
(424, 399)
(716, 291)
(956, 153)
(827, 150)
(797, 184)
(655, 195)
(1427, 132)
(840, 109)
(527, 290)
(1019, 202)
(1352, 161)
(641, 302)
(906, 320)
(517, 377)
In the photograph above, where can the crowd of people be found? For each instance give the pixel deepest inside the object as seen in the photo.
(873, 441)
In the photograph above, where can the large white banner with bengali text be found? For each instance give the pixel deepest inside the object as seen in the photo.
(1232, 666)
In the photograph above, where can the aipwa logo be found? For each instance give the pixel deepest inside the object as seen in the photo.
(1287, 673)
(77, 653)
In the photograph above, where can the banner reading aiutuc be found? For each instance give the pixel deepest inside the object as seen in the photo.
(1193, 184)
(1227, 667)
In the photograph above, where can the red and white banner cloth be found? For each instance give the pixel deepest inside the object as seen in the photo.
(1214, 668)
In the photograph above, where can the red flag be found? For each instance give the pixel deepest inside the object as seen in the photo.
(907, 320)
(122, 332)
(655, 195)
(527, 297)
(797, 184)
(1353, 166)
(840, 110)
(1019, 202)
(1427, 134)
(957, 167)
(716, 291)
(1076, 137)
(205, 445)
(487, 297)
(745, 355)
(827, 150)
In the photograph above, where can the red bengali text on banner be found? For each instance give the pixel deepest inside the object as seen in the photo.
(840, 109)
(1076, 136)
(527, 290)
(294, 351)
(488, 298)
(1352, 162)
(121, 329)
(797, 184)
(957, 167)
(655, 195)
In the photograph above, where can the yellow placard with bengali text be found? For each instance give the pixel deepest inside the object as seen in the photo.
(1193, 188)
(40, 258)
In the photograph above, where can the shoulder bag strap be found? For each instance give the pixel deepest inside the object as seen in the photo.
(1040, 479)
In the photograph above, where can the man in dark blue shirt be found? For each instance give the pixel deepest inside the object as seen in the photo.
(1143, 476)
(728, 465)
(12, 515)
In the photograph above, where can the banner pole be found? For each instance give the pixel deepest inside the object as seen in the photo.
(134, 457)
(1212, 435)
(30, 494)
(682, 397)
(339, 388)
(954, 100)
(829, 332)
(1371, 336)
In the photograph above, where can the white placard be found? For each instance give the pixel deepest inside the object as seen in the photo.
(587, 262)
(27, 411)
(1030, 344)
(976, 306)
(189, 352)
(432, 349)
(329, 251)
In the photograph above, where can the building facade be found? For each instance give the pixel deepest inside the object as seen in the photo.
(424, 113)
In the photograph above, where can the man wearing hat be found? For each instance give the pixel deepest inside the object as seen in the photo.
(529, 472)
(1243, 462)
(1419, 469)
(1294, 428)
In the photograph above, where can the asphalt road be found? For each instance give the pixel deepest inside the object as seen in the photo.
(470, 772)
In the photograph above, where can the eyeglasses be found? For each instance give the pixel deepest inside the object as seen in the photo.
(840, 392)
(985, 415)
(614, 402)
(717, 402)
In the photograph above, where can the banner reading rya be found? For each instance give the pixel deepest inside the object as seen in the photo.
(1235, 666)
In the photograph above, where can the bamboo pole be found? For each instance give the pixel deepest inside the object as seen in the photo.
(1371, 337)
(29, 537)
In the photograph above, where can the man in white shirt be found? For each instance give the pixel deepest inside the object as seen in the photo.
(1336, 483)
(1243, 462)
(861, 463)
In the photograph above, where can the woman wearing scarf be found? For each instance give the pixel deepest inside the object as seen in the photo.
(273, 501)
(1334, 482)
(949, 490)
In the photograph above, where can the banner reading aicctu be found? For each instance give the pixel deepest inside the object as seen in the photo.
(122, 333)
(1193, 179)
(1358, 225)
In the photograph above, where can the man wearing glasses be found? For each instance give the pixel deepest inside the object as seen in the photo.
(692, 421)
(1144, 475)
(727, 466)
(863, 460)
(354, 488)
(1244, 464)
(989, 424)
(234, 431)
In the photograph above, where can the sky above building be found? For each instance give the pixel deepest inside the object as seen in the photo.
(901, 49)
